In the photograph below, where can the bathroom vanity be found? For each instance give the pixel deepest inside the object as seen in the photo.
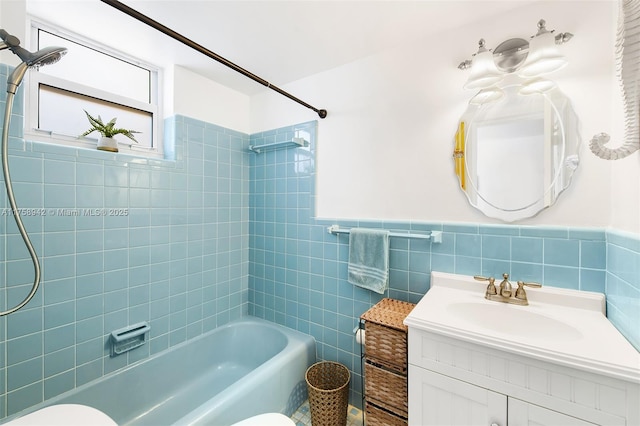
(556, 361)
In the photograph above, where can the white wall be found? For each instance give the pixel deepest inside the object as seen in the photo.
(200, 98)
(384, 151)
(625, 194)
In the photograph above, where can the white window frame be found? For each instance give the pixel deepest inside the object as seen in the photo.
(34, 79)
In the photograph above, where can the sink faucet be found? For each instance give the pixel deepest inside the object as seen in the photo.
(505, 291)
(505, 286)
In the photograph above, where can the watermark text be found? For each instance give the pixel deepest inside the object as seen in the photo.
(67, 212)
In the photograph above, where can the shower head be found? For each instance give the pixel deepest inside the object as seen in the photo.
(46, 56)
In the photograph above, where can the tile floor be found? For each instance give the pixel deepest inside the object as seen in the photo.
(302, 416)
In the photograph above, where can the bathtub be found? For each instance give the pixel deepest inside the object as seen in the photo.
(247, 367)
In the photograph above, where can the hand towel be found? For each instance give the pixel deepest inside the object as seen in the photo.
(369, 258)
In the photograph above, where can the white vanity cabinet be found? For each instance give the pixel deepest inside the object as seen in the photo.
(464, 372)
(441, 400)
(457, 383)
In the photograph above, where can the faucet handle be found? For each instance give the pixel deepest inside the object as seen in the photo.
(491, 288)
(481, 278)
(520, 293)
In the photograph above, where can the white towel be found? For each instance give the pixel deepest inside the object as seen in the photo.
(369, 259)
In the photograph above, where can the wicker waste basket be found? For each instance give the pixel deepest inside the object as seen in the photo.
(328, 387)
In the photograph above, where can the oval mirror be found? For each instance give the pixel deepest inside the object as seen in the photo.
(516, 150)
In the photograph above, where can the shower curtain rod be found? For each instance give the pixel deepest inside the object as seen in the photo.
(322, 113)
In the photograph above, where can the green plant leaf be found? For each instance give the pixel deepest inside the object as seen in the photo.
(107, 130)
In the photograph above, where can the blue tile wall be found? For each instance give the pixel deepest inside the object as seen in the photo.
(298, 271)
(623, 284)
(177, 256)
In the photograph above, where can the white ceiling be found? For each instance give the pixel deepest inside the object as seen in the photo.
(279, 41)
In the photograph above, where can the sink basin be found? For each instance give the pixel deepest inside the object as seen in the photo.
(515, 320)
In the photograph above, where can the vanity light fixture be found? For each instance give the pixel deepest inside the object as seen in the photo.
(529, 59)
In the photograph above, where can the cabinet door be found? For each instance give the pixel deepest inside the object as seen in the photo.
(522, 413)
(439, 400)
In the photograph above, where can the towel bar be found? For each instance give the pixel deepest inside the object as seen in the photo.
(300, 142)
(434, 236)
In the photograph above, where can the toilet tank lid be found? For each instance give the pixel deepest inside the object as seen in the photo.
(65, 415)
(268, 419)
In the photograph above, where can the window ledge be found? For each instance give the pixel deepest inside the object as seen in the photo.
(127, 157)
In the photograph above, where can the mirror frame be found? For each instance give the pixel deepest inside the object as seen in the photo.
(565, 165)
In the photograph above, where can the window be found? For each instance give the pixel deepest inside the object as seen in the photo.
(96, 79)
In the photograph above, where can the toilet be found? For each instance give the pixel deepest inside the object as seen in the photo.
(268, 419)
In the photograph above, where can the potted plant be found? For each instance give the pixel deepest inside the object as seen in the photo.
(107, 132)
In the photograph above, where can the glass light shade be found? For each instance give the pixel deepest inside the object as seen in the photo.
(486, 96)
(543, 57)
(538, 85)
(484, 72)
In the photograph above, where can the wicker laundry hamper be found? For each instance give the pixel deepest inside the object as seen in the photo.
(328, 387)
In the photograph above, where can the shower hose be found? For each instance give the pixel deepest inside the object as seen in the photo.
(14, 208)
